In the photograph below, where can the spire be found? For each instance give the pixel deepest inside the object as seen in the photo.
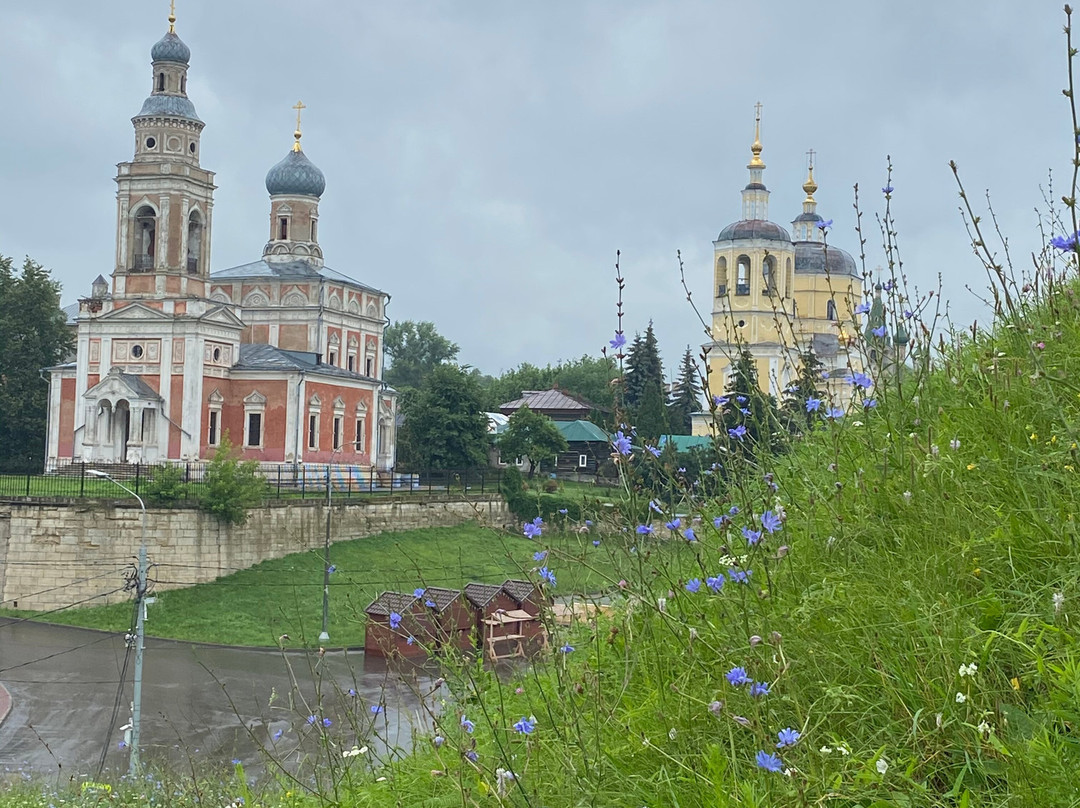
(755, 195)
(172, 16)
(298, 134)
(755, 161)
(810, 186)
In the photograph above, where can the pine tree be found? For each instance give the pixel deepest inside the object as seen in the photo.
(808, 387)
(746, 415)
(685, 398)
(645, 386)
(635, 380)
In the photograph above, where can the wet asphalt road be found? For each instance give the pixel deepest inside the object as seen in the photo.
(202, 705)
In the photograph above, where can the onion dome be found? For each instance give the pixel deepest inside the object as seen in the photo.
(170, 48)
(814, 258)
(295, 176)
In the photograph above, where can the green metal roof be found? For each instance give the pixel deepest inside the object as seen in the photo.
(581, 431)
(684, 443)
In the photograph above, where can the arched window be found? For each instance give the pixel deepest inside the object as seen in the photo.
(721, 277)
(194, 241)
(160, 82)
(768, 272)
(742, 278)
(314, 229)
(789, 280)
(145, 238)
(283, 228)
(830, 309)
(183, 84)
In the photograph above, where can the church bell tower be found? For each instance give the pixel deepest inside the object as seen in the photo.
(164, 197)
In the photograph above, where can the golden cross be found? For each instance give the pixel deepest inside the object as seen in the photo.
(298, 107)
(172, 16)
(810, 154)
(757, 111)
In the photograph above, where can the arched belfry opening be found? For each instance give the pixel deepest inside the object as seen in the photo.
(721, 276)
(742, 277)
(194, 241)
(768, 273)
(145, 238)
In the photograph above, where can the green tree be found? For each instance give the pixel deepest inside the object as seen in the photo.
(686, 397)
(650, 417)
(532, 435)
(34, 335)
(645, 386)
(445, 426)
(810, 384)
(745, 409)
(231, 487)
(415, 350)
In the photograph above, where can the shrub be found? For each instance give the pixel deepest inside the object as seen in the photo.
(231, 487)
(166, 485)
(551, 486)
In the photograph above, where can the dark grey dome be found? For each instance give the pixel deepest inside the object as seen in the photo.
(809, 217)
(295, 175)
(754, 228)
(176, 106)
(810, 258)
(170, 48)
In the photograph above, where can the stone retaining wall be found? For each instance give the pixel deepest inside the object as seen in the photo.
(53, 555)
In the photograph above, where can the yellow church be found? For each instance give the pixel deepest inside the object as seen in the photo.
(777, 293)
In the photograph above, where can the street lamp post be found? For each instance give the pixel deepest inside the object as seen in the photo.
(140, 629)
(324, 635)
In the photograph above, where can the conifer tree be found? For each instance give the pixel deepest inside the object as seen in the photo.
(645, 386)
(635, 380)
(685, 398)
(745, 414)
(805, 398)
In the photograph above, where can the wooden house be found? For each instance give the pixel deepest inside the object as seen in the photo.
(449, 619)
(530, 600)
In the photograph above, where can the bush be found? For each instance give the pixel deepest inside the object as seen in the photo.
(551, 486)
(231, 487)
(166, 485)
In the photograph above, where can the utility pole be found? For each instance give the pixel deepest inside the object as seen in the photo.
(324, 635)
(140, 630)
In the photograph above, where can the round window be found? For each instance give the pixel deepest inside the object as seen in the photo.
(217, 354)
(150, 143)
(191, 148)
(136, 351)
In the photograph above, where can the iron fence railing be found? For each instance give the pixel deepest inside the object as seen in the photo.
(284, 481)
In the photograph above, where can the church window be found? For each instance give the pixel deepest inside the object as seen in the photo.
(183, 87)
(361, 432)
(742, 278)
(331, 358)
(337, 432)
(768, 273)
(194, 241)
(283, 228)
(213, 435)
(830, 309)
(136, 351)
(789, 280)
(147, 426)
(145, 238)
(369, 366)
(191, 148)
(150, 143)
(160, 82)
(254, 429)
(313, 431)
(721, 277)
(314, 229)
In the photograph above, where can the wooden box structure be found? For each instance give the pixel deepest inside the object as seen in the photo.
(449, 619)
(507, 621)
(380, 639)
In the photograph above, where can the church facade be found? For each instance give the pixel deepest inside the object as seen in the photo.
(283, 354)
(777, 294)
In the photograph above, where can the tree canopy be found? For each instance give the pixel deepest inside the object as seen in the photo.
(808, 387)
(685, 397)
(645, 386)
(415, 350)
(444, 425)
(533, 435)
(590, 378)
(34, 335)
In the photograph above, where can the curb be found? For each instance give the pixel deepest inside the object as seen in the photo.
(5, 703)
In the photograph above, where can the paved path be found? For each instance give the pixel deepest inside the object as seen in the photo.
(214, 704)
(5, 703)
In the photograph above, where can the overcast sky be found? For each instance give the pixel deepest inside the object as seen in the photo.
(486, 158)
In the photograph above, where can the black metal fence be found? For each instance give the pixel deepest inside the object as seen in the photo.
(284, 481)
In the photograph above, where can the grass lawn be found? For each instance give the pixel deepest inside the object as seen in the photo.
(284, 596)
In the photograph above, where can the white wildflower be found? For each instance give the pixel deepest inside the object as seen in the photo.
(983, 728)
(968, 670)
(826, 750)
(954, 444)
(843, 749)
(960, 698)
(354, 752)
(934, 450)
(907, 496)
(938, 720)
(882, 765)
(671, 733)
(1059, 602)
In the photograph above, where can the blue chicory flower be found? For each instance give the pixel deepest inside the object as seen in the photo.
(888, 189)
(880, 331)
(738, 432)
(737, 677)
(715, 582)
(689, 534)
(733, 510)
(835, 412)
(870, 403)
(376, 709)
(860, 380)
(655, 506)
(563, 511)
(752, 536)
(278, 734)
(674, 524)
(740, 576)
(769, 762)
(438, 740)
(862, 308)
(771, 522)
(395, 620)
(759, 689)
(720, 521)
(430, 603)
(525, 726)
(741, 399)
(418, 592)
(813, 404)
(596, 543)
(825, 225)
(567, 649)
(621, 443)
(540, 555)
(547, 575)
(619, 341)
(472, 756)
(693, 585)
(644, 529)
(787, 737)
(1065, 242)
(332, 569)
(467, 725)
(326, 722)
(534, 528)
